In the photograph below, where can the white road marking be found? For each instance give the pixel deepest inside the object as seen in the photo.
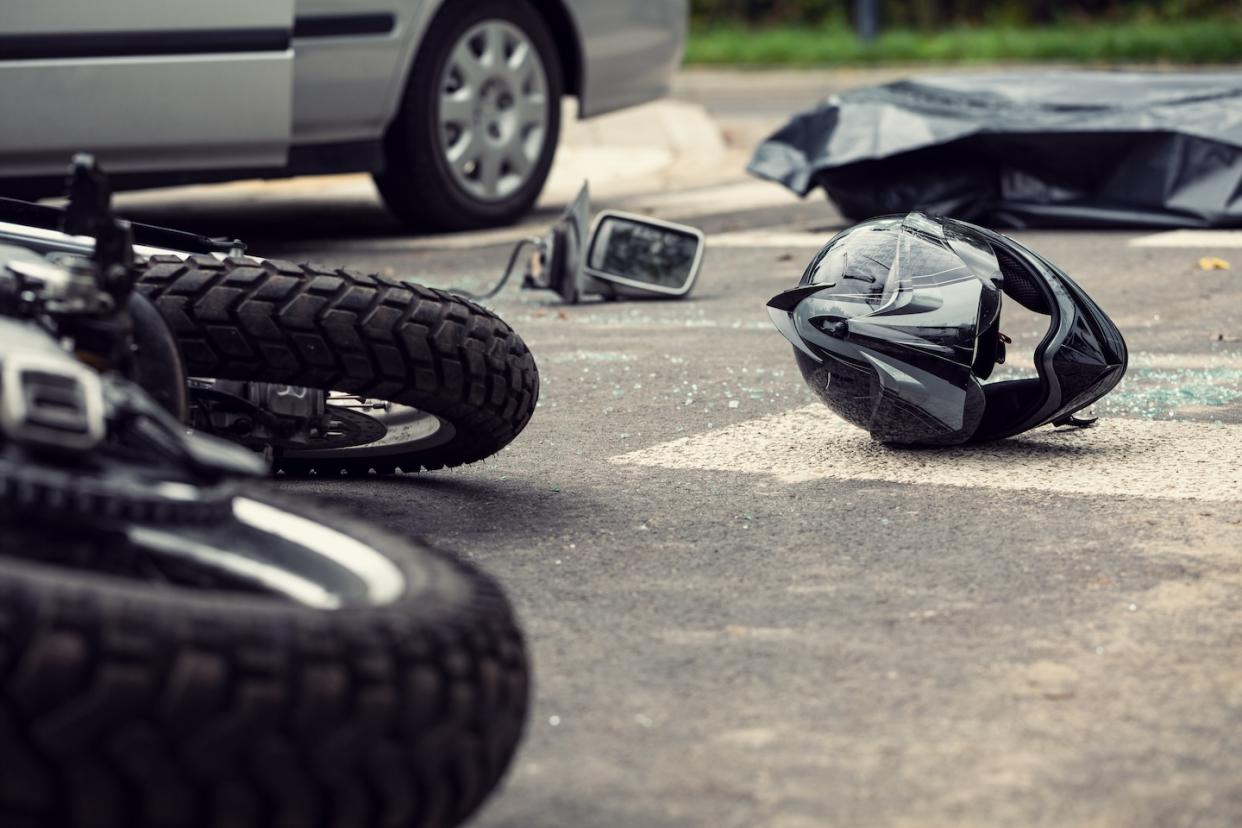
(769, 238)
(1199, 239)
(1138, 458)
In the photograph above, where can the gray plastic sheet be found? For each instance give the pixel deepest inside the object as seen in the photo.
(1025, 149)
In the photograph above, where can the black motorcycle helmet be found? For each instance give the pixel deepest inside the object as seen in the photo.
(896, 323)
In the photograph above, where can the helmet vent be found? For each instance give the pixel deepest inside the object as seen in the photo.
(1020, 284)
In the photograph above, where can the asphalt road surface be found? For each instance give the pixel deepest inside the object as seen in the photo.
(742, 613)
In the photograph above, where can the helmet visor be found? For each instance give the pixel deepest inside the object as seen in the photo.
(919, 293)
(893, 301)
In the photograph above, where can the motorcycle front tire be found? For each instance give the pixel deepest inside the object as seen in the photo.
(341, 330)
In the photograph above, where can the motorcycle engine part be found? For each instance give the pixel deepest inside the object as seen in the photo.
(282, 417)
(74, 442)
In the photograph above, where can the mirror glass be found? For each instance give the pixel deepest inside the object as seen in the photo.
(653, 254)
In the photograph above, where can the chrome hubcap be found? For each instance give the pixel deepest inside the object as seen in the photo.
(494, 110)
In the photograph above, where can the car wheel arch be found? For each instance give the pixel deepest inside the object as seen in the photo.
(567, 37)
(568, 40)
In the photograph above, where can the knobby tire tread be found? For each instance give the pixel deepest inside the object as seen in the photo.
(341, 330)
(126, 706)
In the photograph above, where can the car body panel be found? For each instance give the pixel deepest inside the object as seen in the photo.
(177, 102)
(69, 81)
(632, 49)
(42, 16)
(327, 86)
(345, 85)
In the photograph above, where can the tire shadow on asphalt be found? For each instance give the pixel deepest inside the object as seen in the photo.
(520, 510)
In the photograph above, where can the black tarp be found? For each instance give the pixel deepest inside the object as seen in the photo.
(1022, 149)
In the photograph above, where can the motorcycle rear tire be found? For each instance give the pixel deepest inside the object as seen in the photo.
(126, 703)
(340, 330)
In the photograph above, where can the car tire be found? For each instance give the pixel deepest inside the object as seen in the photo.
(454, 108)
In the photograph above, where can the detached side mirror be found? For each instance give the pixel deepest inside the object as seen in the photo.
(623, 257)
(634, 257)
(559, 254)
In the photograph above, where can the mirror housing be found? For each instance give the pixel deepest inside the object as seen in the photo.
(561, 252)
(624, 256)
(636, 257)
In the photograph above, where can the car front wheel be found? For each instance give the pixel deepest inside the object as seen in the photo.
(474, 140)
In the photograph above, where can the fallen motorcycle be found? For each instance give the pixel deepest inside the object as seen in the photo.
(328, 371)
(179, 648)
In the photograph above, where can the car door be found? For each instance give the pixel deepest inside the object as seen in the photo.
(146, 85)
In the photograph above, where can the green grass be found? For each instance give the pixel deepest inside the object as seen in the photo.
(1189, 42)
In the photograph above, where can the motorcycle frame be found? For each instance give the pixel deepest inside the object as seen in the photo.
(35, 229)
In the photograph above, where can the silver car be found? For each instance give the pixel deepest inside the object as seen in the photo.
(453, 105)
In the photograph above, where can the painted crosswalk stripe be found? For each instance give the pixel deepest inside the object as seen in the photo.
(1140, 458)
(1198, 239)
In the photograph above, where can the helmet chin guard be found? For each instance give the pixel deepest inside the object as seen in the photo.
(895, 325)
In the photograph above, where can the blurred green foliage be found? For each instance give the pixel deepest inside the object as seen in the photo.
(938, 14)
(1210, 41)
